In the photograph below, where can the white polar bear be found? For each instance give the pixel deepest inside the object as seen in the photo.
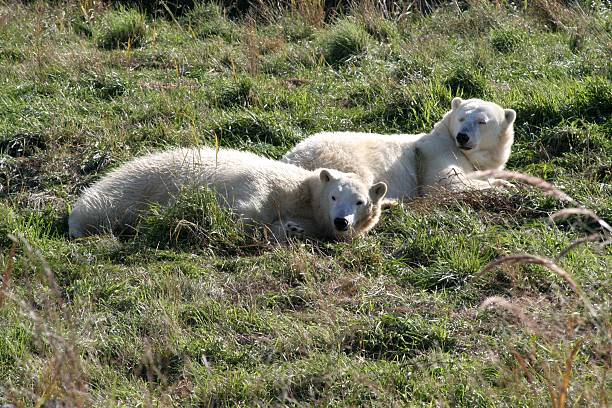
(287, 199)
(474, 135)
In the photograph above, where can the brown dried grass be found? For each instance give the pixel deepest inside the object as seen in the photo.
(63, 380)
(6, 276)
(548, 188)
(547, 263)
(557, 388)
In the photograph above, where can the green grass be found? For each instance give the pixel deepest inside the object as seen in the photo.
(345, 40)
(121, 29)
(192, 309)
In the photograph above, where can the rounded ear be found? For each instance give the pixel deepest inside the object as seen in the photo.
(456, 102)
(510, 116)
(325, 176)
(378, 191)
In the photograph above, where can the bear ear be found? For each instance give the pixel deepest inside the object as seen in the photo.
(378, 191)
(456, 102)
(510, 116)
(325, 176)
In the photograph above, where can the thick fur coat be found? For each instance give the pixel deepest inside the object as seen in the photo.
(473, 135)
(287, 199)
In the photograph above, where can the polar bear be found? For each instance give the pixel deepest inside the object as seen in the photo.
(289, 200)
(473, 135)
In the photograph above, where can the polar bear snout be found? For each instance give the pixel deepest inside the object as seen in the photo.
(343, 218)
(341, 224)
(462, 139)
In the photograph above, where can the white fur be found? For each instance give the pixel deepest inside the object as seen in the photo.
(417, 164)
(286, 198)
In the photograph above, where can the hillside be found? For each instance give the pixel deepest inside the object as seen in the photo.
(191, 312)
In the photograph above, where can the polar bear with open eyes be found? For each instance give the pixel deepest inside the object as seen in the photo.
(473, 135)
(288, 200)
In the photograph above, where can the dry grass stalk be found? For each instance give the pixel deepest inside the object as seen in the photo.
(558, 392)
(65, 376)
(596, 237)
(8, 271)
(312, 11)
(523, 364)
(548, 188)
(549, 384)
(562, 397)
(252, 51)
(36, 257)
(566, 212)
(547, 263)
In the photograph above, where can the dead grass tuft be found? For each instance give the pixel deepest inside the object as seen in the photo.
(547, 263)
(63, 379)
(6, 276)
(556, 376)
(547, 187)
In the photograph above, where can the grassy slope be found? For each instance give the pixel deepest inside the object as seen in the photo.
(389, 319)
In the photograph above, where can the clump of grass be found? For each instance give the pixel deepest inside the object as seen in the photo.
(412, 69)
(413, 109)
(295, 28)
(506, 41)
(290, 59)
(382, 29)
(595, 102)
(345, 40)
(22, 144)
(17, 341)
(125, 28)
(577, 41)
(589, 100)
(571, 138)
(207, 20)
(194, 221)
(397, 337)
(258, 131)
(10, 54)
(451, 264)
(467, 81)
(82, 25)
(8, 225)
(467, 19)
(235, 92)
(105, 86)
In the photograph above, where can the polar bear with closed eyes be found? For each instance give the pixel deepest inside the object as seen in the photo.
(474, 135)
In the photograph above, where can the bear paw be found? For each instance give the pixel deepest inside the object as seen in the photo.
(501, 183)
(293, 230)
(389, 203)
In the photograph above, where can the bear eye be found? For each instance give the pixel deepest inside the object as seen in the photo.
(333, 198)
(461, 119)
(482, 122)
(359, 202)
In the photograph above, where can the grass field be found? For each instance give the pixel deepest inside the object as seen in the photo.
(205, 317)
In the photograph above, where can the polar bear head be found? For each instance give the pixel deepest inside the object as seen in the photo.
(351, 206)
(482, 130)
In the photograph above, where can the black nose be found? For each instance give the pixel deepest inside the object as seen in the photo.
(341, 224)
(462, 138)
